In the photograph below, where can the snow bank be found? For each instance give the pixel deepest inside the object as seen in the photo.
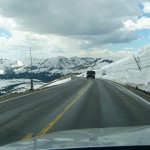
(59, 82)
(127, 71)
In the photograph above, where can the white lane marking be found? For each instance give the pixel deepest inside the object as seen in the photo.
(29, 94)
(131, 92)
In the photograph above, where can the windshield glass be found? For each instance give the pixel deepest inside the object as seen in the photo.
(74, 65)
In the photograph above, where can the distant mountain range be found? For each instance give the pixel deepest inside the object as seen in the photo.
(51, 68)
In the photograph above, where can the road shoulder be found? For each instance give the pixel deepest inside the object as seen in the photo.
(138, 92)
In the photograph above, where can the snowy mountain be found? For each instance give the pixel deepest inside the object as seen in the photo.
(60, 65)
(7, 66)
(17, 73)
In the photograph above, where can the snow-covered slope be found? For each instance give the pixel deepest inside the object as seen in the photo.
(127, 71)
(58, 82)
(17, 85)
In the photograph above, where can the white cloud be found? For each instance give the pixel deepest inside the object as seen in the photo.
(66, 27)
(146, 7)
(142, 23)
(71, 17)
(8, 23)
(43, 46)
(128, 48)
(108, 52)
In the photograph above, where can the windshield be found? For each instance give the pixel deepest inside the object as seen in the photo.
(73, 64)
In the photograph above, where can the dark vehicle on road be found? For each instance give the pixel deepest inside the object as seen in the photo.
(90, 74)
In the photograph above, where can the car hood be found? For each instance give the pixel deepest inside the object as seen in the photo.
(97, 137)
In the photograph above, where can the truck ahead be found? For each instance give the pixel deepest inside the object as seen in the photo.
(90, 74)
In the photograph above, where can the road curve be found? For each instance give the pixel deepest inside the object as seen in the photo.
(78, 104)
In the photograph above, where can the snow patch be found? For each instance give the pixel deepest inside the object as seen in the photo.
(59, 82)
(19, 63)
(2, 71)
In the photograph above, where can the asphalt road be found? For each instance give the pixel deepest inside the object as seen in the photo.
(78, 104)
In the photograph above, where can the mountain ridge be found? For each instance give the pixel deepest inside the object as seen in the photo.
(60, 64)
(18, 73)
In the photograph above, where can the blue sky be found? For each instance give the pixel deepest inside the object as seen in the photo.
(69, 28)
(5, 33)
(143, 36)
(144, 39)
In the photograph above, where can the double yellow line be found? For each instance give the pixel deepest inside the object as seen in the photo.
(54, 121)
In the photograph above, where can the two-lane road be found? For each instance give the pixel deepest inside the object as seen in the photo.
(78, 104)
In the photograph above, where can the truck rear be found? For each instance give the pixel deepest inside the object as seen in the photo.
(90, 74)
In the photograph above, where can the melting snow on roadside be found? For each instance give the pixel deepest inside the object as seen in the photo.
(59, 82)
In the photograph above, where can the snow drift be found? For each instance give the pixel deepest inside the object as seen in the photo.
(133, 70)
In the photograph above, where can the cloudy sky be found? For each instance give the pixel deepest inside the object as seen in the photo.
(73, 27)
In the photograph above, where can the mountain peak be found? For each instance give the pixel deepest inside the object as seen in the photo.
(59, 64)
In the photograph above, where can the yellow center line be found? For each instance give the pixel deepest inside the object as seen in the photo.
(27, 136)
(54, 121)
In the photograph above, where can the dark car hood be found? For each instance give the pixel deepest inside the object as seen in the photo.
(97, 137)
